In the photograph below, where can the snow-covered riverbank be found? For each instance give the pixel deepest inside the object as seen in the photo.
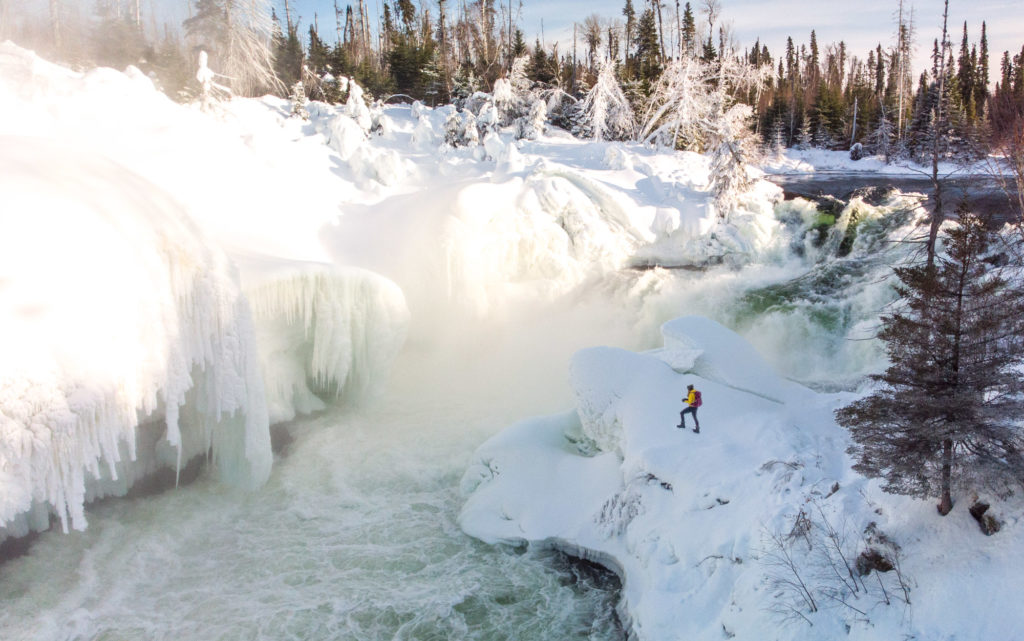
(717, 534)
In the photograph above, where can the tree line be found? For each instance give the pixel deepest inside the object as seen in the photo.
(443, 51)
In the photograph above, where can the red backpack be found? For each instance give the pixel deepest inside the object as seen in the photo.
(696, 399)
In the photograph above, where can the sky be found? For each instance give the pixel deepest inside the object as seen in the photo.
(872, 22)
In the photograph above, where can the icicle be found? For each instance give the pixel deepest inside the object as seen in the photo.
(350, 323)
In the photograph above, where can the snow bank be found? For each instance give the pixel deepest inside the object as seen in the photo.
(116, 310)
(688, 519)
(814, 160)
(623, 483)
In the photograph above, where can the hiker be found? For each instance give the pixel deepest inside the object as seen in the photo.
(693, 401)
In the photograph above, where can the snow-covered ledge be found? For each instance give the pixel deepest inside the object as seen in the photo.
(678, 515)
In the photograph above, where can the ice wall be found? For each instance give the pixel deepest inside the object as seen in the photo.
(114, 311)
(325, 332)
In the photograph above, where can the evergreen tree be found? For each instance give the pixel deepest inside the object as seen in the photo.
(981, 82)
(647, 51)
(689, 32)
(944, 416)
(540, 68)
(298, 99)
(288, 54)
(965, 77)
(606, 114)
(318, 52)
(518, 44)
(708, 53)
(629, 35)
(880, 73)
(804, 138)
(171, 67)
(117, 40)
(813, 69)
(880, 141)
(731, 151)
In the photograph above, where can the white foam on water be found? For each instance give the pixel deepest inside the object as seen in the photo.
(353, 537)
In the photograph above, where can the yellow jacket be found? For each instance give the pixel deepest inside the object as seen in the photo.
(691, 398)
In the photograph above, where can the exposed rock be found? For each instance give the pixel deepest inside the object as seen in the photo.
(872, 559)
(988, 523)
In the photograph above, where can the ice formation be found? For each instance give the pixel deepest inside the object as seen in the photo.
(324, 332)
(116, 311)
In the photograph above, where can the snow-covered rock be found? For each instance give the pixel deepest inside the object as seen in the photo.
(688, 519)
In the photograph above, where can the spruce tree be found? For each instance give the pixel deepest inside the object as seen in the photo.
(647, 49)
(605, 112)
(689, 32)
(944, 416)
(628, 36)
(981, 80)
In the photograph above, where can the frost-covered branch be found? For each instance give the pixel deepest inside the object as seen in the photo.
(238, 36)
(606, 111)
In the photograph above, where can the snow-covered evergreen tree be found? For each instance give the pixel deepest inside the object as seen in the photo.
(732, 149)
(803, 135)
(880, 140)
(606, 114)
(692, 95)
(210, 90)
(531, 126)
(776, 142)
(679, 108)
(460, 129)
(488, 119)
(356, 107)
(298, 99)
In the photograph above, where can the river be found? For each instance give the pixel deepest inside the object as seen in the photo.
(354, 537)
(985, 195)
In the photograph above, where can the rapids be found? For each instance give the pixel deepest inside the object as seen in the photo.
(355, 534)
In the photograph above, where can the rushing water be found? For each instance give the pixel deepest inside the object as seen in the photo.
(354, 537)
(985, 195)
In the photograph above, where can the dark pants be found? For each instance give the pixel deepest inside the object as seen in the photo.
(682, 417)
